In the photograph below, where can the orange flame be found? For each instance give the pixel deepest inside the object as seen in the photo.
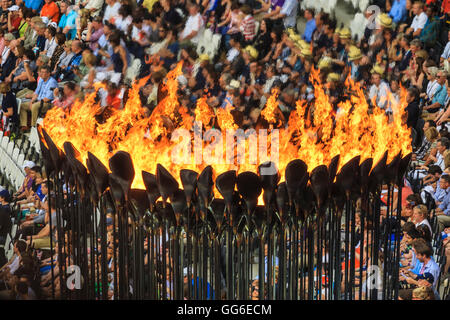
(353, 130)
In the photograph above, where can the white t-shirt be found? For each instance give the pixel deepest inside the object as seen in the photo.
(123, 23)
(380, 94)
(50, 47)
(111, 11)
(95, 4)
(431, 88)
(419, 21)
(140, 34)
(193, 23)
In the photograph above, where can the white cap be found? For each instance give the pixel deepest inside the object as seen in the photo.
(45, 20)
(53, 24)
(29, 164)
(14, 8)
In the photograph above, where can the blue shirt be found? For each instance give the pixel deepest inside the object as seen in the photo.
(433, 268)
(69, 21)
(445, 205)
(45, 88)
(309, 29)
(440, 194)
(398, 11)
(440, 95)
(34, 4)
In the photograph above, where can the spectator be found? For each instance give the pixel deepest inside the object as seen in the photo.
(420, 215)
(379, 90)
(443, 214)
(67, 98)
(94, 7)
(9, 104)
(288, 13)
(111, 10)
(5, 223)
(247, 25)
(310, 25)
(40, 101)
(398, 11)
(30, 35)
(67, 23)
(419, 21)
(50, 10)
(50, 42)
(193, 27)
(40, 29)
(66, 72)
(439, 97)
(412, 108)
(14, 19)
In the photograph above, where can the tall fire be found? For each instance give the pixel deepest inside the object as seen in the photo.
(315, 133)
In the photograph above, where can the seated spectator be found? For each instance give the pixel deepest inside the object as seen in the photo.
(94, 7)
(40, 29)
(66, 72)
(34, 5)
(438, 101)
(9, 104)
(379, 90)
(67, 98)
(67, 23)
(443, 214)
(64, 58)
(419, 21)
(5, 223)
(119, 55)
(247, 25)
(95, 32)
(50, 10)
(194, 25)
(398, 11)
(14, 20)
(60, 41)
(429, 146)
(50, 42)
(420, 215)
(438, 190)
(412, 108)
(310, 25)
(41, 99)
(30, 36)
(438, 160)
(27, 182)
(111, 10)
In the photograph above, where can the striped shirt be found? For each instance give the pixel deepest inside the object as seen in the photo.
(248, 27)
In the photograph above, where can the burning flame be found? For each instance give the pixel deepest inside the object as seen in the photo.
(315, 133)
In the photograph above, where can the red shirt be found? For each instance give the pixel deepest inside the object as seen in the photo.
(446, 6)
(51, 11)
(16, 23)
(114, 101)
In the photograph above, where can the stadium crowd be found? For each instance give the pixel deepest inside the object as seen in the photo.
(53, 52)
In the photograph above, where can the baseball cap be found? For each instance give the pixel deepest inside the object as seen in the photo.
(14, 8)
(29, 164)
